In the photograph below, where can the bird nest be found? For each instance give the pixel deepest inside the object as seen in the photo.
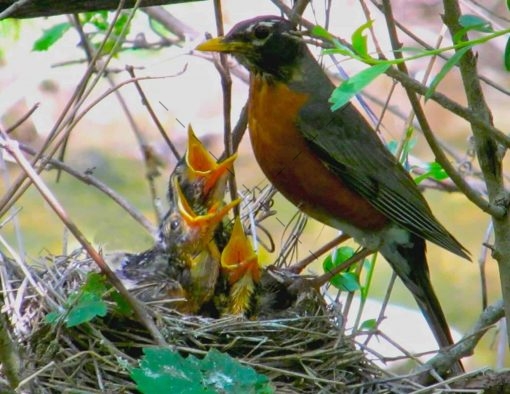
(302, 349)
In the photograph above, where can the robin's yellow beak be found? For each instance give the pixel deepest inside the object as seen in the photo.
(219, 44)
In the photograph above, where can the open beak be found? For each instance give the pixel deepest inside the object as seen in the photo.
(203, 165)
(205, 222)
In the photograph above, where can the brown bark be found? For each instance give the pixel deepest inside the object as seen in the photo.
(37, 8)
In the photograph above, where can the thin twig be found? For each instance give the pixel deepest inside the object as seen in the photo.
(482, 260)
(18, 190)
(91, 180)
(13, 8)
(226, 85)
(298, 9)
(21, 120)
(299, 266)
(152, 114)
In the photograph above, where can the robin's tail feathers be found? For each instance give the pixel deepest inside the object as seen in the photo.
(409, 262)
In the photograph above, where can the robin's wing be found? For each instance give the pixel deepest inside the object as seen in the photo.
(350, 148)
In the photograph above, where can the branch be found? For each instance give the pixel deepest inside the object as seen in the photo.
(487, 151)
(171, 23)
(463, 348)
(35, 8)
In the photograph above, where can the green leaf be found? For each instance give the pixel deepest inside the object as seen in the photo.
(340, 255)
(349, 88)
(10, 28)
(161, 367)
(414, 50)
(471, 23)
(369, 325)
(226, 375)
(346, 281)
(452, 62)
(84, 305)
(99, 19)
(359, 40)
(434, 170)
(319, 31)
(215, 373)
(339, 49)
(508, 4)
(88, 307)
(120, 23)
(95, 283)
(52, 317)
(122, 305)
(474, 22)
(51, 36)
(507, 54)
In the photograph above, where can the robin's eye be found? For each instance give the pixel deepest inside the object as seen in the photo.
(261, 32)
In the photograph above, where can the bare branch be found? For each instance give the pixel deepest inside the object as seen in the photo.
(37, 8)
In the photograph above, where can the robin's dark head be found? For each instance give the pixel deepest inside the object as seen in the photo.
(265, 45)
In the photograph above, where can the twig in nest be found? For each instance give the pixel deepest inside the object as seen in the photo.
(319, 281)
(298, 267)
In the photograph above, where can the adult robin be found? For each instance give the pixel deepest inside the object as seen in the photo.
(331, 164)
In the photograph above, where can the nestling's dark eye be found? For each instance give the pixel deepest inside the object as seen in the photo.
(261, 32)
(174, 225)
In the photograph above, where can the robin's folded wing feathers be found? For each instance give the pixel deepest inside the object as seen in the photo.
(347, 145)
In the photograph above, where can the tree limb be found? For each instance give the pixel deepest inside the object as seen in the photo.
(487, 150)
(20, 9)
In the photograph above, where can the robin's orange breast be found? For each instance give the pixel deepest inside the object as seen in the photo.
(293, 168)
